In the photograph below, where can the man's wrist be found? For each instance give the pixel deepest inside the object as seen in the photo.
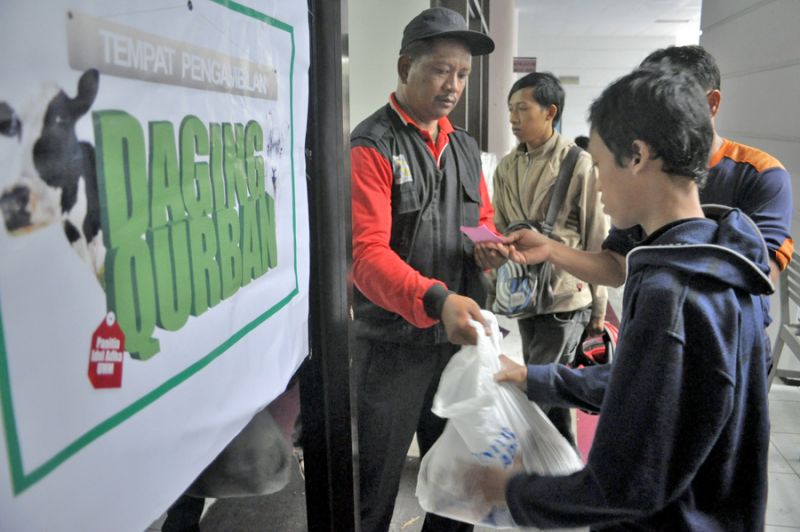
(433, 300)
(552, 247)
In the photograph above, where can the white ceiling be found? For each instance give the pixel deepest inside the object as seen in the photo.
(680, 18)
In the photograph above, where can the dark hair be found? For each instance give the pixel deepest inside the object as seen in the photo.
(666, 110)
(547, 90)
(582, 141)
(693, 58)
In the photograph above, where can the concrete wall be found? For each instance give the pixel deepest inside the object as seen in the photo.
(595, 60)
(375, 30)
(757, 46)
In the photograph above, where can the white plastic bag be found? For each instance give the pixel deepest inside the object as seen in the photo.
(488, 424)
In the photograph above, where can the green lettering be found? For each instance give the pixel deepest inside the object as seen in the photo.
(169, 247)
(130, 293)
(166, 203)
(195, 178)
(250, 244)
(221, 201)
(266, 231)
(121, 176)
(206, 289)
(253, 164)
(229, 256)
(233, 162)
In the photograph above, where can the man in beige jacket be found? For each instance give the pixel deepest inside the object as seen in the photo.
(523, 185)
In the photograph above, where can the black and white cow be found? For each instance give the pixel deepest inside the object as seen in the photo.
(56, 180)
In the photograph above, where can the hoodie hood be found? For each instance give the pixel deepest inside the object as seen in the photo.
(725, 246)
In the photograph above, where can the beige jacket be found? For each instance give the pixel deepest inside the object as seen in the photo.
(523, 185)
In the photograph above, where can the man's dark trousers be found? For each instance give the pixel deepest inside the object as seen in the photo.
(395, 385)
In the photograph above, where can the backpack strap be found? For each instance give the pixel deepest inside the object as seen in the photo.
(560, 192)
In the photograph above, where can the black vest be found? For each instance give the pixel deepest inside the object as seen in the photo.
(429, 204)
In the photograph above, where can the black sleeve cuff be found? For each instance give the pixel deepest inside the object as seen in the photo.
(433, 300)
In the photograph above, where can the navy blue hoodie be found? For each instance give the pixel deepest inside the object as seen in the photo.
(683, 434)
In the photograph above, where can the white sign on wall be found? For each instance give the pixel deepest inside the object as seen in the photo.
(154, 243)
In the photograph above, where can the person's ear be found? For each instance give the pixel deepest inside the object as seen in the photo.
(714, 97)
(403, 68)
(641, 156)
(552, 111)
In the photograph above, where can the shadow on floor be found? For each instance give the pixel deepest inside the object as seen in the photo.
(284, 511)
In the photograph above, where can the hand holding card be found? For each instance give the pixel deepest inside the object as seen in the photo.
(481, 234)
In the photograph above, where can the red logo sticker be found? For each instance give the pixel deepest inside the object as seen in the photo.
(106, 354)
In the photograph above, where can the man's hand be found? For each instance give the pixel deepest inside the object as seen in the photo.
(456, 313)
(527, 246)
(595, 327)
(490, 254)
(512, 372)
(489, 483)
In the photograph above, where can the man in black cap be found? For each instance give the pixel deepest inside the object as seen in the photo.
(415, 180)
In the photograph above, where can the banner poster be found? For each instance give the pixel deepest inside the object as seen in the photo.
(154, 244)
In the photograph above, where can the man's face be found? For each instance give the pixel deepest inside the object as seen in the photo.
(530, 122)
(435, 81)
(617, 185)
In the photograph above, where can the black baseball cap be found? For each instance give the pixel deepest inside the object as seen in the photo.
(445, 23)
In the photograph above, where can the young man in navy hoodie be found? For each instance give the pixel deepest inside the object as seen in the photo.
(683, 434)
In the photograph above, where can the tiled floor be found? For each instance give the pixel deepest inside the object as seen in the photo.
(783, 505)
